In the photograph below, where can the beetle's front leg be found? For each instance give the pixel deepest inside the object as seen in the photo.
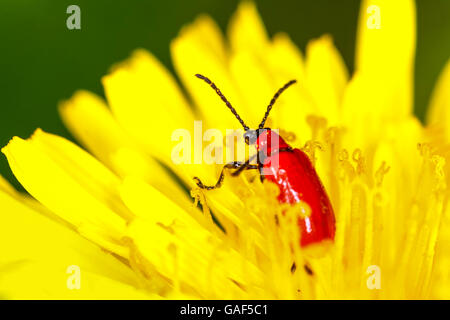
(232, 165)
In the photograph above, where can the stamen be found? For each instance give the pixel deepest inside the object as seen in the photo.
(316, 123)
(347, 169)
(310, 149)
(380, 173)
(287, 135)
(360, 161)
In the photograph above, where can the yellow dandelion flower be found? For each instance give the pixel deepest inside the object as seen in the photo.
(122, 212)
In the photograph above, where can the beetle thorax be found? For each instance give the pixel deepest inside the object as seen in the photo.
(269, 141)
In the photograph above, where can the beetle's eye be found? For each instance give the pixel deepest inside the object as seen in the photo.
(250, 137)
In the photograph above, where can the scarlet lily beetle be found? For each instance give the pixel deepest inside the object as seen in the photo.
(294, 174)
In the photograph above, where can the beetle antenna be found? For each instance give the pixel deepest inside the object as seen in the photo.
(272, 102)
(220, 94)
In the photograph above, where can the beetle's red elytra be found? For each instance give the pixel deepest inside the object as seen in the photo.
(290, 169)
(298, 181)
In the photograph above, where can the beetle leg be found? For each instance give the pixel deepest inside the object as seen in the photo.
(245, 166)
(232, 165)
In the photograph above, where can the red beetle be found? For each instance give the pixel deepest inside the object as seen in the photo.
(290, 169)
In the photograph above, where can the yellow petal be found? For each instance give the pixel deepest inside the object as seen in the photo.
(285, 59)
(259, 75)
(193, 55)
(193, 258)
(363, 99)
(246, 30)
(209, 34)
(90, 121)
(249, 42)
(147, 102)
(72, 184)
(36, 280)
(439, 108)
(253, 79)
(6, 187)
(385, 50)
(360, 114)
(34, 264)
(326, 77)
(285, 62)
(147, 202)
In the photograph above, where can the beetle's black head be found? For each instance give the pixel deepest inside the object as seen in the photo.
(251, 136)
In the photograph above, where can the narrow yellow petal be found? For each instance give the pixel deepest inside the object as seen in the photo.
(192, 55)
(285, 62)
(439, 108)
(89, 119)
(34, 264)
(147, 102)
(258, 75)
(72, 184)
(42, 280)
(5, 186)
(147, 202)
(285, 59)
(193, 259)
(246, 30)
(253, 79)
(326, 77)
(385, 50)
(209, 34)
(361, 115)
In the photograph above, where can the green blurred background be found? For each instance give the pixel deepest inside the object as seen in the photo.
(42, 62)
